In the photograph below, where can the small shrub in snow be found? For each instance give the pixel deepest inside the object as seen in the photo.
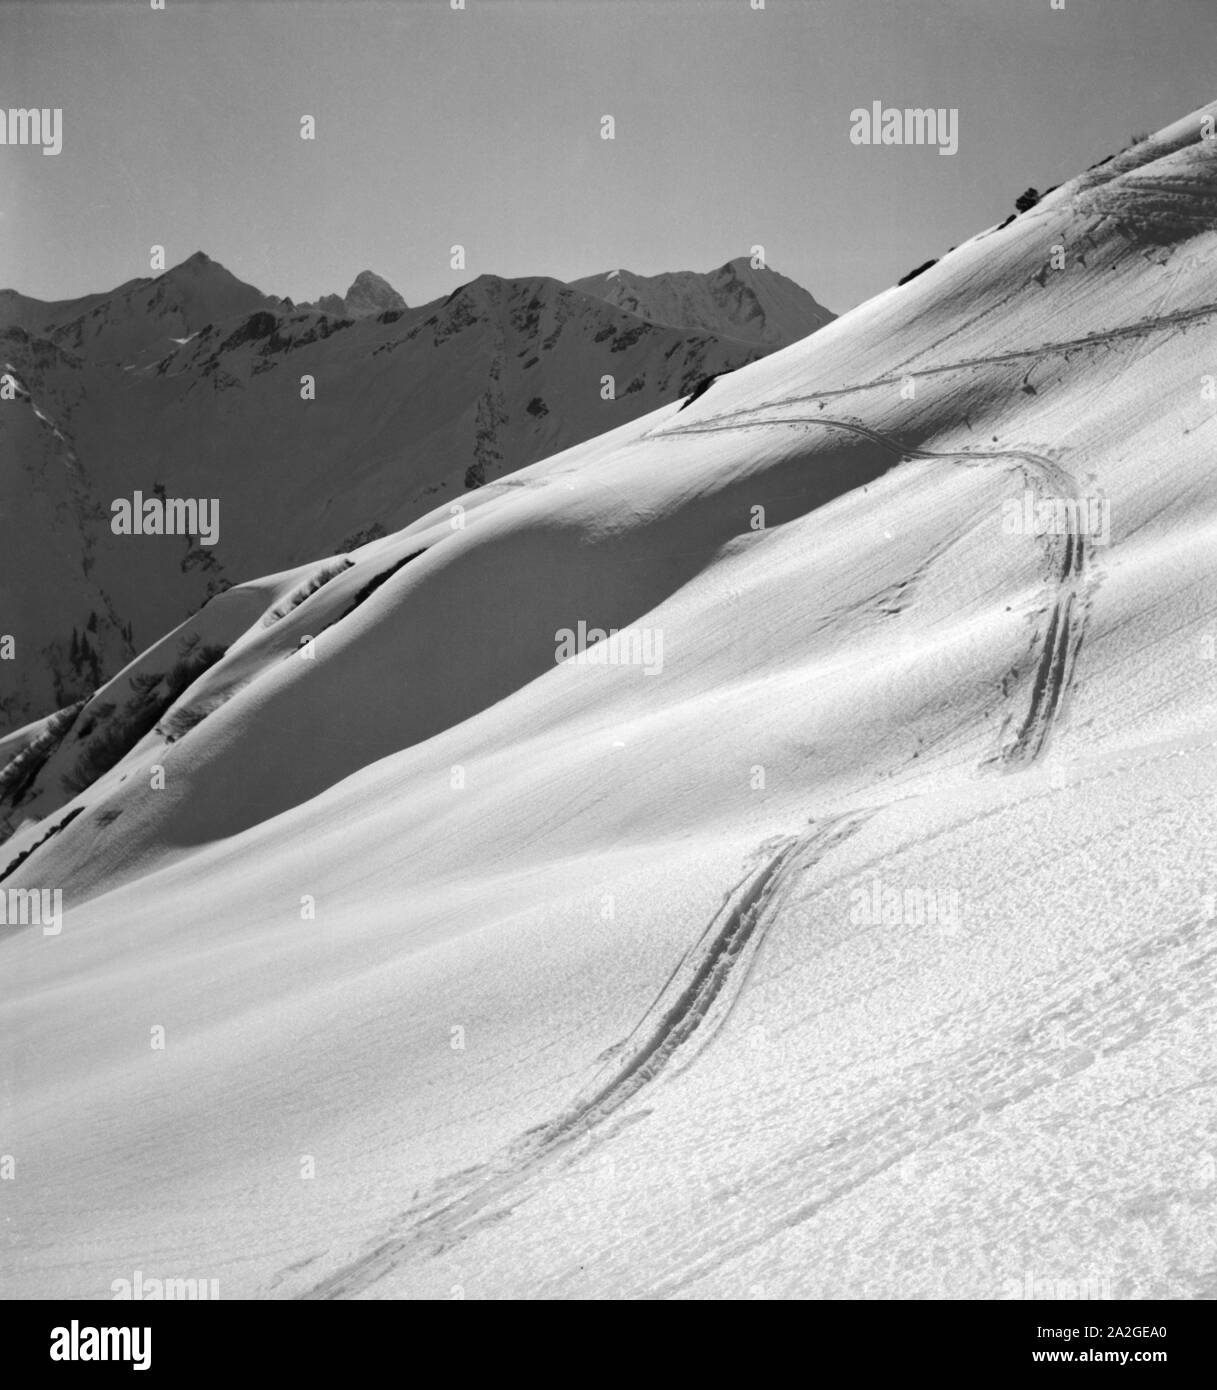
(118, 733)
(310, 586)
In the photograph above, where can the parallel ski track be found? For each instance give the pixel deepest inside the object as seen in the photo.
(1055, 652)
(690, 1008)
(693, 1004)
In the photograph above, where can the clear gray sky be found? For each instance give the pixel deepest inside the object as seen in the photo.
(483, 127)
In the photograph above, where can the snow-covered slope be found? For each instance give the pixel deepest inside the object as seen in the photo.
(312, 432)
(844, 928)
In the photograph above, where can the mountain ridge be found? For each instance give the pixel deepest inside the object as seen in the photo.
(759, 303)
(194, 381)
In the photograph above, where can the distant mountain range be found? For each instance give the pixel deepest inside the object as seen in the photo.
(748, 305)
(315, 426)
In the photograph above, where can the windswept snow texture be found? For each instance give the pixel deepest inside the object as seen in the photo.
(857, 942)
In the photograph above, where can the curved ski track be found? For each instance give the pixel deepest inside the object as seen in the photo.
(1139, 329)
(691, 1007)
(1055, 651)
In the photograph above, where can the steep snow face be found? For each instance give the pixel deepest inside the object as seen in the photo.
(840, 927)
(312, 432)
(754, 305)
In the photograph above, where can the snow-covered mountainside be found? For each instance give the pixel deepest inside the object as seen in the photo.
(313, 432)
(141, 318)
(842, 926)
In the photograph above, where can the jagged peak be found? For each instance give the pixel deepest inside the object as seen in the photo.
(367, 278)
(368, 294)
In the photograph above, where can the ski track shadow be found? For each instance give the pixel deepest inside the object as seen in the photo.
(694, 1003)
(682, 1020)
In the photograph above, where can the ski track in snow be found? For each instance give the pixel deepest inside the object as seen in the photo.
(1055, 653)
(1093, 1014)
(691, 1007)
(1063, 345)
(699, 995)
